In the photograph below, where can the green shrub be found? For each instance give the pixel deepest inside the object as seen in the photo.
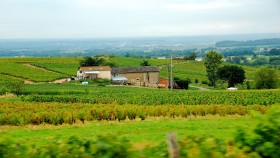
(3, 91)
(265, 138)
(182, 83)
(205, 82)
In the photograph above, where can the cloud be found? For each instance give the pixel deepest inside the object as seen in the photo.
(116, 4)
(189, 29)
(197, 6)
(91, 18)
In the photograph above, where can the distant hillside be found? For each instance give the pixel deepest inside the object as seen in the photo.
(44, 70)
(272, 41)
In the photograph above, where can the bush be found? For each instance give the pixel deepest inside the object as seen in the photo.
(4, 91)
(265, 138)
(266, 78)
(104, 146)
(16, 87)
(205, 82)
(182, 83)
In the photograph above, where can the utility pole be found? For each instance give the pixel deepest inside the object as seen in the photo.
(170, 74)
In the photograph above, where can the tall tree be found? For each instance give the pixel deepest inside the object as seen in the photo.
(192, 56)
(212, 63)
(145, 63)
(232, 74)
(266, 78)
(89, 61)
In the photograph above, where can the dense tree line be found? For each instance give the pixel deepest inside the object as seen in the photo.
(272, 41)
(239, 52)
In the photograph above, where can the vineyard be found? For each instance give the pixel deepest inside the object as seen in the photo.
(27, 72)
(19, 113)
(68, 119)
(146, 96)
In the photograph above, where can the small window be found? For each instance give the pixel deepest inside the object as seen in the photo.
(137, 79)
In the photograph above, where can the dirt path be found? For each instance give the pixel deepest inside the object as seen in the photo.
(200, 88)
(18, 78)
(36, 67)
(63, 80)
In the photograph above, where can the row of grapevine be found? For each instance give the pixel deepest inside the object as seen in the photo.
(27, 72)
(21, 113)
(161, 97)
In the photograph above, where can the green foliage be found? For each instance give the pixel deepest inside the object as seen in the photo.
(182, 83)
(261, 42)
(274, 52)
(145, 63)
(89, 61)
(104, 146)
(192, 56)
(266, 78)
(232, 74)
(264, 140)
(202, 147)
(275, 60)
(259, 61)
(3, 90)
(205, 82)
(16, 87)
(212, 62)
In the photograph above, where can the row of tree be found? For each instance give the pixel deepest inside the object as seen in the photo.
(99, 61)
(265, 78)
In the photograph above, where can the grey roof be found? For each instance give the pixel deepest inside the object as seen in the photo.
(140, 69)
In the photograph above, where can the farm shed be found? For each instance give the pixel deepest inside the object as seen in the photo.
(142, 75)
(94, 72)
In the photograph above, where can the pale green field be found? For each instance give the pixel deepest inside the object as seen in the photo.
(141, 133)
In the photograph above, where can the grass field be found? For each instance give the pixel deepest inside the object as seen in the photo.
(141, 133)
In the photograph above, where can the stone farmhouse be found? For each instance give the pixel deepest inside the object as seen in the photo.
(140, 76)
(94, 72)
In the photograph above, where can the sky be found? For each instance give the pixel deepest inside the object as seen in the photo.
(136, 18)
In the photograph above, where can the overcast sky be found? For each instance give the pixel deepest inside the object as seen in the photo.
(134, 18)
